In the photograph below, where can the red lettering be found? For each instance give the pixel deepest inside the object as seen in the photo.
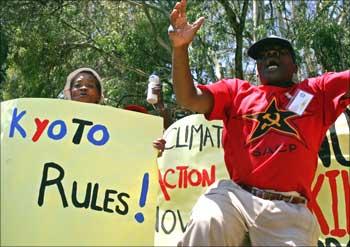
(313, 204)
(198, 176)
(333, 185)
(186, 176)
(206, 180)
(166, 180)
(183, 175)
(40, 127)
(162, 186)
(346, 186)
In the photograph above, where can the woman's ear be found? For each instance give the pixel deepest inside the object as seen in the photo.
(99, 100)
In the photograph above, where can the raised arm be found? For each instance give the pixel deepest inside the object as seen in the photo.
(181, 34)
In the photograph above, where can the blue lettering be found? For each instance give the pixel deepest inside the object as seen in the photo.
(93, 130)
(15, 124)
(61, 133)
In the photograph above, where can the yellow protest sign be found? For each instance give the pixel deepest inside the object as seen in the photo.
(330, 200)
(77, 174)
(194, 160)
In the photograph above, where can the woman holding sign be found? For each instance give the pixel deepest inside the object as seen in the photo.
(84, 85)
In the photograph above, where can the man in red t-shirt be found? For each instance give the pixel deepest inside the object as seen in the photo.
(272, 134)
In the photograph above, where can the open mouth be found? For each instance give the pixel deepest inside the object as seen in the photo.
(272, 66)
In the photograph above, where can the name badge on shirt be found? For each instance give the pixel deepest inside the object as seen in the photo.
(299, 102)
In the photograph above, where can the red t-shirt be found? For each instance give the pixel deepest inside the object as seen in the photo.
(268, 146)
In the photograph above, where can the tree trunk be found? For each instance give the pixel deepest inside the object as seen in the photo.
(238, 24)
(258, 18)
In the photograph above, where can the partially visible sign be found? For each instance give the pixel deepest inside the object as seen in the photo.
(331, 187)
(192, 161)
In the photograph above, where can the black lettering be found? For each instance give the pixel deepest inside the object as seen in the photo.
(126, 206)
(166, 147)
(79, 132)
(157, 219)
(57, 181)
(186, 134)
(86, 202)
(292, 147)
(256, 152)
(218, 134)
(178, 145)
(320, 244)
(332, 242)
(336, 147)
(174, 222)
(183, 228)
(108, 199)
(94, 206)
(325, 153)
(208, 135)
(283, 148)
(267, 150)
(200, 130)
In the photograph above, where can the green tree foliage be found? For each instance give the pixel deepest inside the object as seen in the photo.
(326, 32)
(3, 55)
(49, 39)
(42, 41)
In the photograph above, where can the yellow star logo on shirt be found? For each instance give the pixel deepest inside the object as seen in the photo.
(272, 119)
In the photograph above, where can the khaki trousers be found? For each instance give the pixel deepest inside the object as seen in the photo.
(226, 214)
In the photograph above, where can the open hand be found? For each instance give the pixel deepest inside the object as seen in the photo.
(182, 32)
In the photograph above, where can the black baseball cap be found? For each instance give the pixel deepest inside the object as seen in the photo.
(258, 46)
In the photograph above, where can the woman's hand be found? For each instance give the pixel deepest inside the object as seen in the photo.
(159, 144)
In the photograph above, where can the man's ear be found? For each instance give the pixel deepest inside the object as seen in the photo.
(295, 78)
(295, 68)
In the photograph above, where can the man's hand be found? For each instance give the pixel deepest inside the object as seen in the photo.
(181, 32)
(181, 36)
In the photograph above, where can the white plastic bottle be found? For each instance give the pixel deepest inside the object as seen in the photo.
(153, 81)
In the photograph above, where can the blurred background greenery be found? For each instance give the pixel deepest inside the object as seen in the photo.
(42, 41)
